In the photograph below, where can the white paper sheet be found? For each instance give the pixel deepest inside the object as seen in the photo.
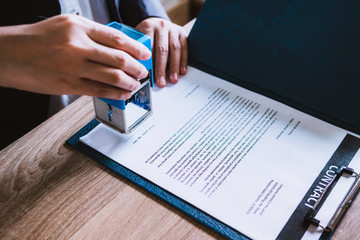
(243, 158)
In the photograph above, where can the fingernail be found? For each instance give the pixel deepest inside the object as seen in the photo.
(146, 55)
(162, 81)
(183, 70)
(127, 95)
(174, 77)
(143, 75)
(135, 86)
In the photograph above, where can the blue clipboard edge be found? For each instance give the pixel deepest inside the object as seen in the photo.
(161, 193)
(152, 188)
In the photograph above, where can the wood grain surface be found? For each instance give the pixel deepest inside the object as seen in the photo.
(51, 191)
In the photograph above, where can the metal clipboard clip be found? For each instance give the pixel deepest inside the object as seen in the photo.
(344, 204)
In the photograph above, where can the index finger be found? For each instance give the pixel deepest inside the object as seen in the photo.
(114, 38)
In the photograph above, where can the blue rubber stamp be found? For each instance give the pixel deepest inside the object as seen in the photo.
(126, 115)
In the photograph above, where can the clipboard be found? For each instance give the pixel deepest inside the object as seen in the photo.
(344, 204)
(229, 26)
(303, 217)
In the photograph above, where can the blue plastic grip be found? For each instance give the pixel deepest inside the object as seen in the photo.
(142, 38)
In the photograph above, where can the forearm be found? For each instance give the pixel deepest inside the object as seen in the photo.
(69, 54)
(9, 38)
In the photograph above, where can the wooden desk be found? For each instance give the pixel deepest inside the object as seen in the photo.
(50, 191)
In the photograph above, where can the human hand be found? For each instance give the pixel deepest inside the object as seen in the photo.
(69, 54)
(169, 43)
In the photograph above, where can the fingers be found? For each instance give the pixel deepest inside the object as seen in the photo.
(68, 54)
(100, 81)
(117, 59)
(178, 56)
(114, 49)
(98, 89)
(169, 48)
(104, 81)
(151, 36)
(111, 76)
(175, 56)
(184, 54)
(161, 56)
(112, 64)
(114, 38)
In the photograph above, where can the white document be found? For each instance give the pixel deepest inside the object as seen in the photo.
(241, 157)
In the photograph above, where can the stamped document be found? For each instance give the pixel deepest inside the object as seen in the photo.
(246, 160)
